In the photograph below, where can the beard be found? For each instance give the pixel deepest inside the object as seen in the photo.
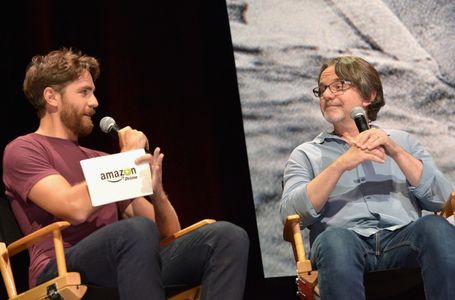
(80, 124)
(334, 117)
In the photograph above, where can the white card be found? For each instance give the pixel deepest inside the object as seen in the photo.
(116, 177)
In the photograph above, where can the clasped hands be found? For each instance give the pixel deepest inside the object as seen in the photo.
(373, 144)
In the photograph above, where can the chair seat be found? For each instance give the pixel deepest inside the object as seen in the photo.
(394, 284)
(183, 292)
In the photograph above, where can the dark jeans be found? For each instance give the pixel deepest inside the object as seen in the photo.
(127, 255)
(342, 257)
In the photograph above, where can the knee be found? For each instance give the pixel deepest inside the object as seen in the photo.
(434, 228)
(228, 236)
(140, 232)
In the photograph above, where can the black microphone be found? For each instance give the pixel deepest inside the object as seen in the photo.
(358, 115)
(108, 125)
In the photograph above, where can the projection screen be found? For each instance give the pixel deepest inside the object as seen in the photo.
(279, 46)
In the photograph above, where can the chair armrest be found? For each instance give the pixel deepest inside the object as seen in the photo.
(171, 238)
(449, 207)
(12, 249)
(292, 234)
(289, 227)
(35, 237)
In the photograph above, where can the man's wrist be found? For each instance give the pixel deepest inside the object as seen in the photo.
(157, 197)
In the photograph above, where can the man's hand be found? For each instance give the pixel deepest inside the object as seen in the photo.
(375, 138)
(156, 168)
(355, 156)
(368, 145)
(131, 139)
(164, 213)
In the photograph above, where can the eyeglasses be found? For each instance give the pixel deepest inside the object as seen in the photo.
(335, 87)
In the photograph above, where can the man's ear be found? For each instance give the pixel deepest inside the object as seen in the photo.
(368, 102)
(51, 96)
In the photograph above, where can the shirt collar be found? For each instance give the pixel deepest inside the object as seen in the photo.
(329, 136)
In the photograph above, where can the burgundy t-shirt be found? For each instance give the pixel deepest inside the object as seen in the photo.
(32, 157)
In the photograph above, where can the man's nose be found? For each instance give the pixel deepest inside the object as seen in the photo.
(93, 101)
(327, 94)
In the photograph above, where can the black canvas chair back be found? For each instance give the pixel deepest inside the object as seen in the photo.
(10, 232)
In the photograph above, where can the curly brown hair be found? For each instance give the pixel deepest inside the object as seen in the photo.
(56, 69)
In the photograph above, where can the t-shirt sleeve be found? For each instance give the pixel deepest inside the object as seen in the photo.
(24, 164)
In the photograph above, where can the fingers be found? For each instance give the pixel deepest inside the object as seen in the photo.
(144, 158)
(355, 156)
(153, 159)
(370, 139)
(130, 139)
(155, 162)
(377, 155)
(126, 128)
(156, 152)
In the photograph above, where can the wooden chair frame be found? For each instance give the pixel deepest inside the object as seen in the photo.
(67, 285)
(449, 207)
(306, 277)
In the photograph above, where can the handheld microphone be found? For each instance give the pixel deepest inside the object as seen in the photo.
(358, 115)
(108, 125)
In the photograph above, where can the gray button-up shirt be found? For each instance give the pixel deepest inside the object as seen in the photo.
(366, 199)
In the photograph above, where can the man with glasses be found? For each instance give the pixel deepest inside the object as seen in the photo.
(361, 194)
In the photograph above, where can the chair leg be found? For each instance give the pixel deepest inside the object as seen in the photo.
(7, 274)
(306, 284)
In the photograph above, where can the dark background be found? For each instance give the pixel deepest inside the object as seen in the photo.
(167, 69)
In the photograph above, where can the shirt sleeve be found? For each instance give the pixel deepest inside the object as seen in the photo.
(298, 173)
(24, 164)
(434, 188)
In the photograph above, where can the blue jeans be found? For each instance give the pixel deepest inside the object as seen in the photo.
(342, 257)
(127, 255)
